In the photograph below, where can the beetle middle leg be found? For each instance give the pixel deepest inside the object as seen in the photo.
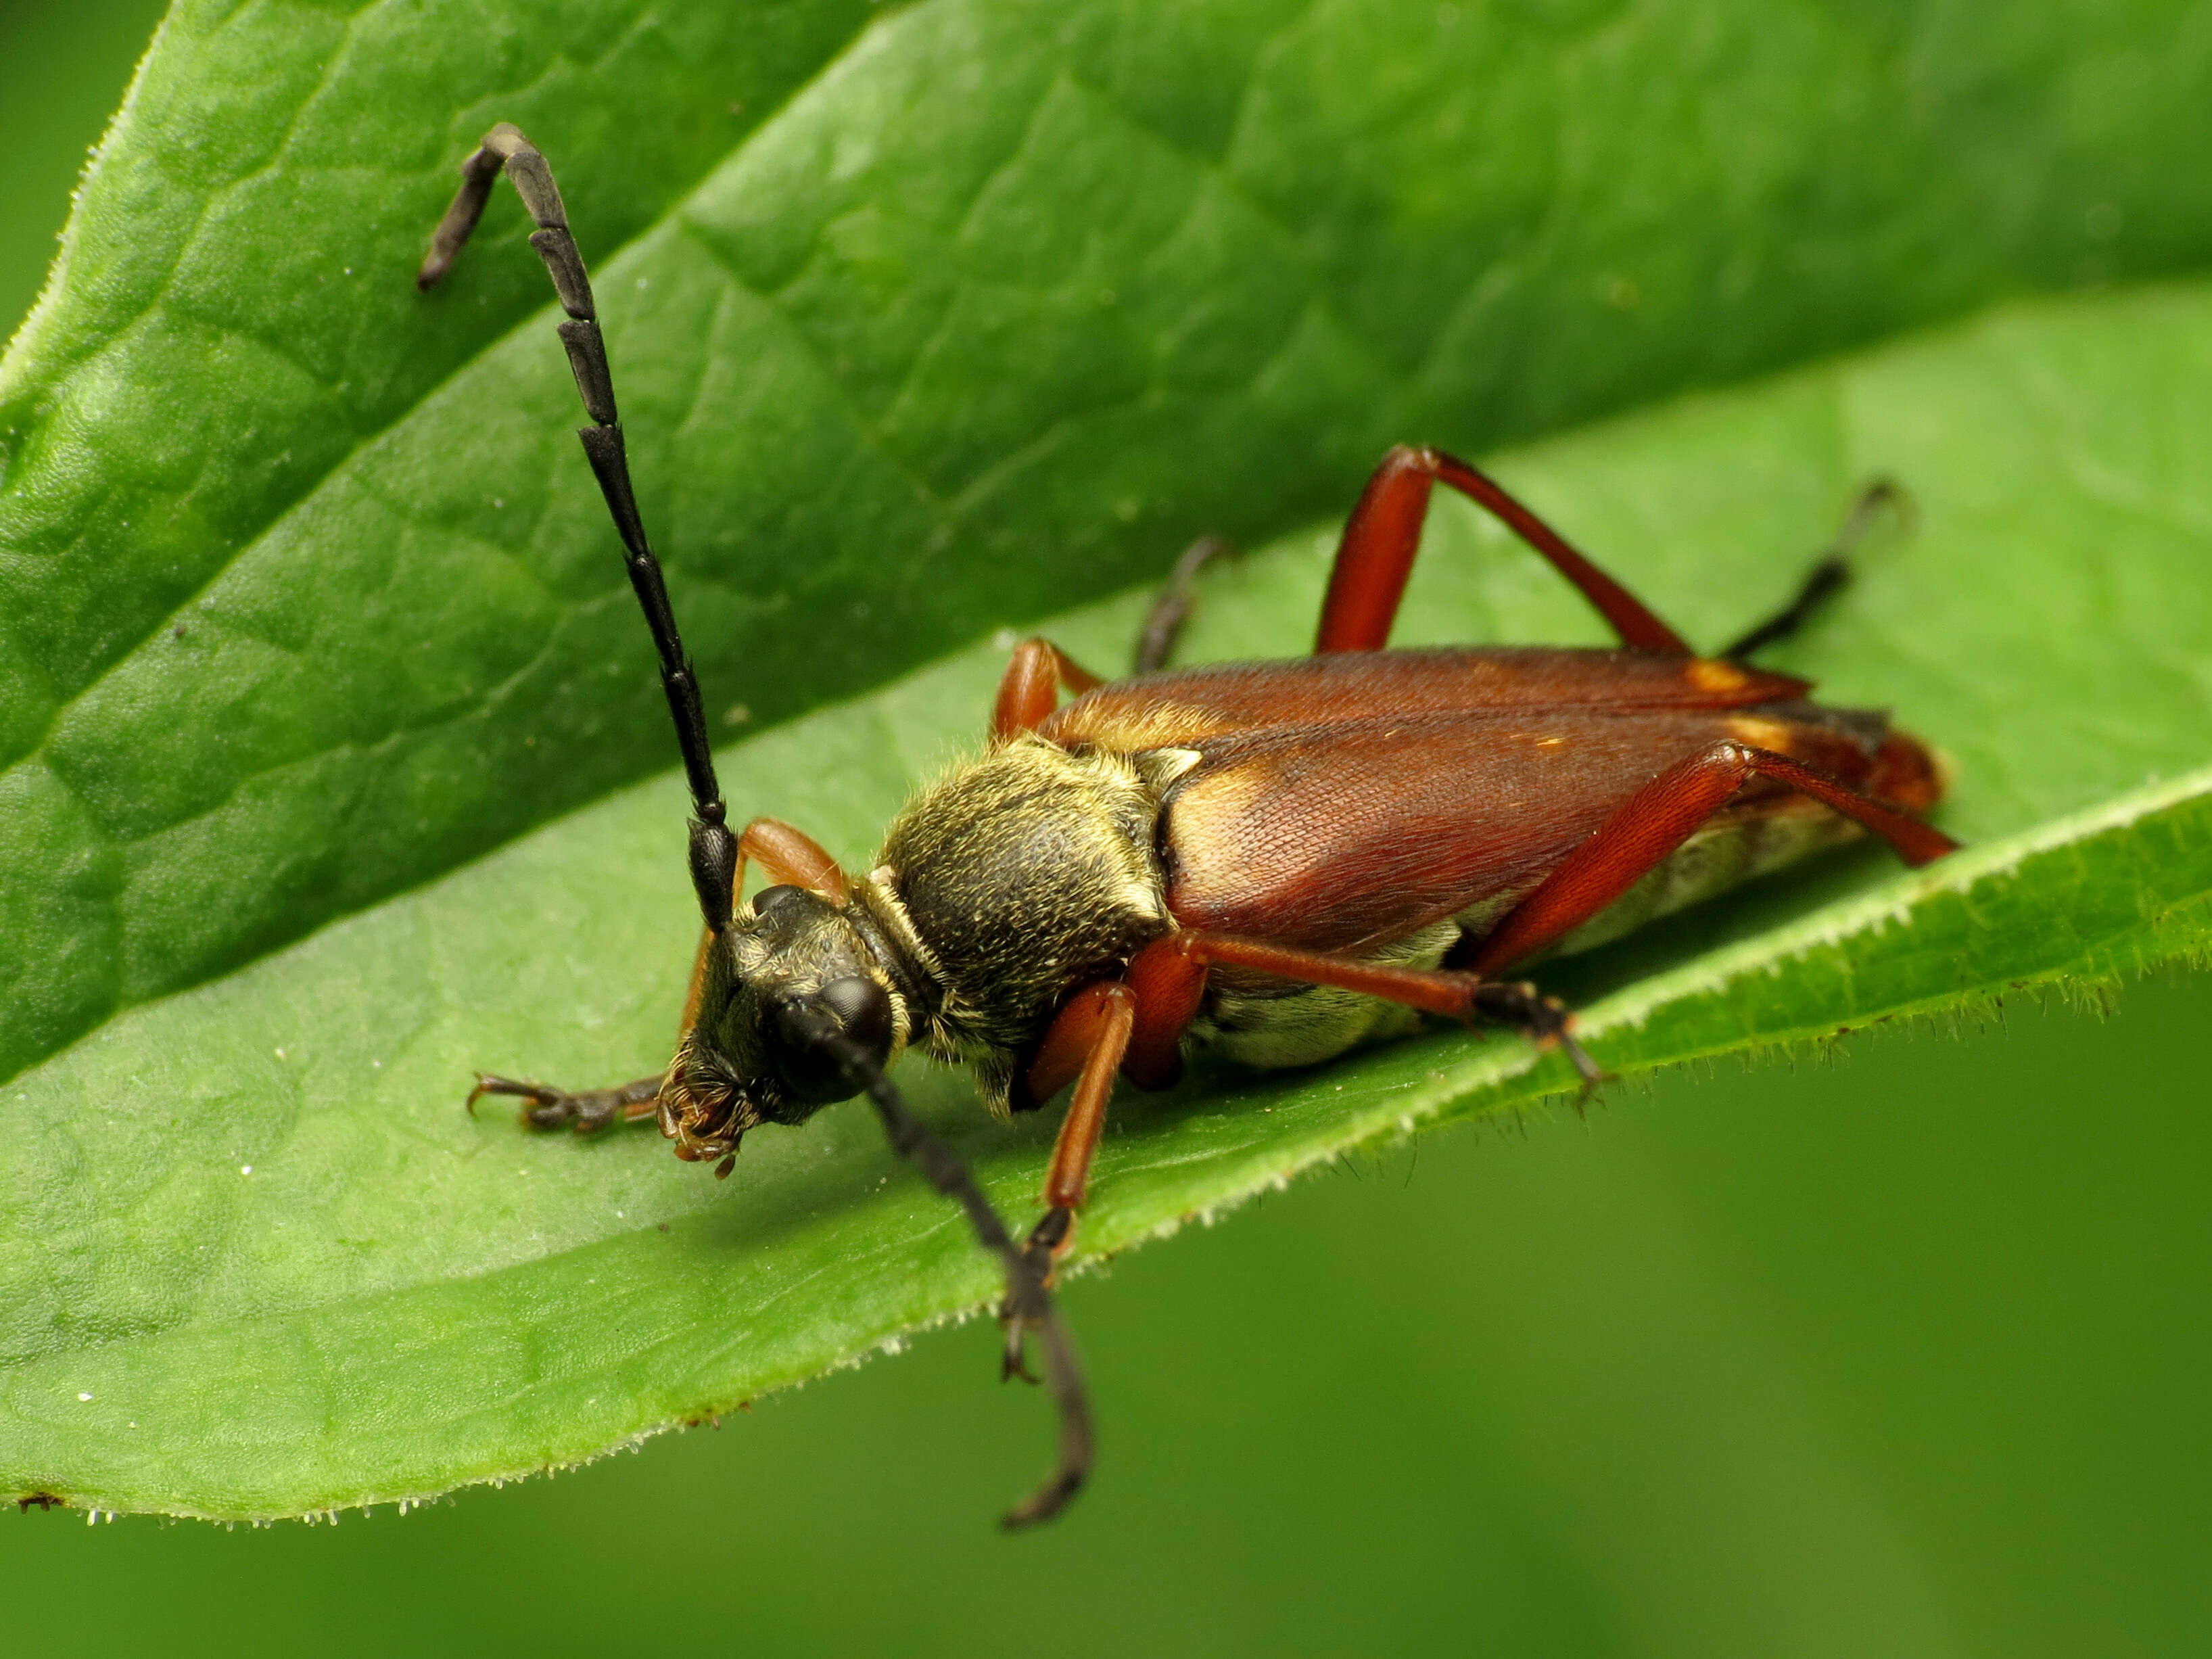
(1134, 1026)
(1375, 557)
(1454, 994)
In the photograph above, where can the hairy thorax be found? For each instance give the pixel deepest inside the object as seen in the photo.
(1015, 879)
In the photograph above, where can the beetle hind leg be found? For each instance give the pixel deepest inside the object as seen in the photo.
(592, 1110)
(1544, 1020)
(1831, 572)
(1655, 821)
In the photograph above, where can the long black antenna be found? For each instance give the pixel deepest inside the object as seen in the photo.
(1028, 1304)
(714, 849)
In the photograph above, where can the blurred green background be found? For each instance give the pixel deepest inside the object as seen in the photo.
(1898, 1353)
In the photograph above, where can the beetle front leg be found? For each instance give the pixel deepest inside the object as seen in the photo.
(586, 1113)
(1085, 1045)
(788, 857)
(590, 1110)
(1029, 690)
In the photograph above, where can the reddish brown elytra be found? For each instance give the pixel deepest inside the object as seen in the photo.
(1276, 859)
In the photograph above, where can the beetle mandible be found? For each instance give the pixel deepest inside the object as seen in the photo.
(1278, 860)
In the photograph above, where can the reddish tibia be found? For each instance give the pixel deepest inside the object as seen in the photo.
(790, 858)
(1433, 991)
(1383, 534)
(1087, 1040)
(1030, 689)
(1658, 818)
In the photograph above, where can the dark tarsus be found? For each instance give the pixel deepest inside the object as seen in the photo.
(1156, 642)
(1831, 572)
(714, 849)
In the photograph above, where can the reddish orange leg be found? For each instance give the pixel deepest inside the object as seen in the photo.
(787, 857)
(1658, 818)
(1030, 689)
(1168, 977)
(1455, 995)
(1169, 987)
(1376, 556)
(1085, 1042)
(1104, 1017)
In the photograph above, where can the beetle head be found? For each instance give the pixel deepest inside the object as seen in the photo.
(772, 982)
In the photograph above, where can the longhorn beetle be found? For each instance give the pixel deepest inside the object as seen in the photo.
(1279, 859)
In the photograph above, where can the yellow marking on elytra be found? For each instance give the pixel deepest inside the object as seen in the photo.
(1760, 732)
(1710, 674)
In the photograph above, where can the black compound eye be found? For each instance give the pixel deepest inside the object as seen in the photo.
(864, 1009)
(858, 1008)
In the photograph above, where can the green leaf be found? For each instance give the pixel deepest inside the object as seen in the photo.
(268, 1266)
(923, 326)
